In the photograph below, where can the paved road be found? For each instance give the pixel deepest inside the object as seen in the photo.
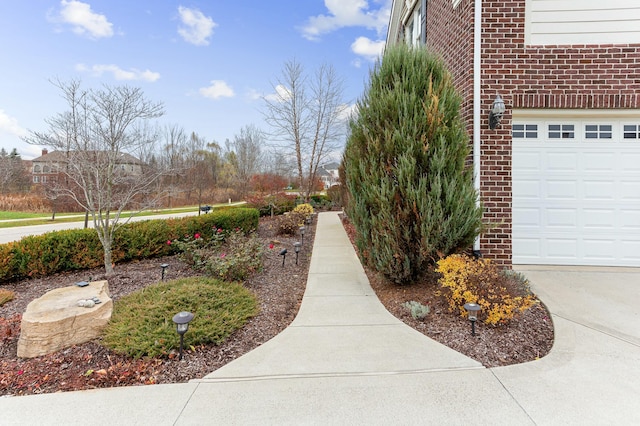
(18, 232)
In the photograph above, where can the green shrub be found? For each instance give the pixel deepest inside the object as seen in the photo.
(417, 309)
(412, 198)
(466, 280)
(141, 324)
(76, 249)
(290, 224)
(335, 196)
(276, 204)
(230, 256)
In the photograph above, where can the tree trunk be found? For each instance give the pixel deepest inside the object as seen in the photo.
(108, 265)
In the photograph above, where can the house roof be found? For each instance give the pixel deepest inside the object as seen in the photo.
(61, 157)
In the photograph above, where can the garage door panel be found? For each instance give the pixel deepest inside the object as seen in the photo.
(529, 247)
(576, 202)
(630, 251)
(529, 217)
(604, 190)
(527, 189)
(562, 161)
(629, 161)
(562, 218)
(562, 248)
(561, 189)
(529, 162)
(630, 190)
(598, 218)
(598, 161)
(598, 249)
(630, 220)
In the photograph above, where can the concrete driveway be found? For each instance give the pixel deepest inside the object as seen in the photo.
(592, 375)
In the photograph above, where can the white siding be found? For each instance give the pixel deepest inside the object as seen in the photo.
(561, 22)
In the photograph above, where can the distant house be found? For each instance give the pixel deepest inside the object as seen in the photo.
(47, 167)
(557, 162)
(328, 173)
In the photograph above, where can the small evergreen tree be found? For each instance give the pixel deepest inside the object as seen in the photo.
(412, 196)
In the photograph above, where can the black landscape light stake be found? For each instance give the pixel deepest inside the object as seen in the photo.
(472, 310)
(297, 245)
(283, 253)
(164, 266)
(182, 320)
(302, 234)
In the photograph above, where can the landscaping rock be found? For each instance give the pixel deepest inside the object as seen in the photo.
(55, 321)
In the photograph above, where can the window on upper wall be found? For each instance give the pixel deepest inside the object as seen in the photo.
(631, 131)
(561, 131)
(524, 131)
(413, 27)
(598, 131)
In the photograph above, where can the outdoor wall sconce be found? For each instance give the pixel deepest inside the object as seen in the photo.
(164, 266)
(297, 248)
(302, 233)
(472, 310)
(497, 110)
(182, 321)
(283, 253)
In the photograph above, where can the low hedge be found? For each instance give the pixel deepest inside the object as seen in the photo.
(76, 249)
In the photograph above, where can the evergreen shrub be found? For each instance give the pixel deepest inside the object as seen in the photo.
(76, 249)
(411, 196)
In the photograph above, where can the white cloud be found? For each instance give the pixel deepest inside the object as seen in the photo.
(10, 125)
(118, 73)
(282, 94)
(348, 111)
(368, 48)
(217, 89)
(196, 28)
(83, 20)
(348, 13)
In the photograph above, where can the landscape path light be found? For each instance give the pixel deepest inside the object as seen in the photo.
(283, 253)
(182, 320)
(472, 311)
(297, 245)
(302, 234)
(164, 266)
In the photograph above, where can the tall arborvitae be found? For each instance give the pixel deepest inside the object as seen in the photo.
(412, 197)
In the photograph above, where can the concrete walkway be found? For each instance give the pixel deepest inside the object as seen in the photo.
(346, 360)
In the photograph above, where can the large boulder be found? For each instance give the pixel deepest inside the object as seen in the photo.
(56, 321)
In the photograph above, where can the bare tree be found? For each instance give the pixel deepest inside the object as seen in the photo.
(307, 117)
(98, 139)
(247, 147)
(13, 176)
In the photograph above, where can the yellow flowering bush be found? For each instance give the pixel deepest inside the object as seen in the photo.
(467, 280)
(306, 209)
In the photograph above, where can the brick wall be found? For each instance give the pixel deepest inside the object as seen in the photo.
(558, 77)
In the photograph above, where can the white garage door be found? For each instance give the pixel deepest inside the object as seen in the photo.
(576, 191)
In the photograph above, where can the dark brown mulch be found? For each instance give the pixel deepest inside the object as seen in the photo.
(526, 338)
(279, 290)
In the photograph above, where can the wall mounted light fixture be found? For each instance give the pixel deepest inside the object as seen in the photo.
(497, 110)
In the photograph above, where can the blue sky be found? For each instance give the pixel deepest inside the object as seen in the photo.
(208, 61)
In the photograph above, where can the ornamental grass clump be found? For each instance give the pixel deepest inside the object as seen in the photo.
(411, 194)
(468, 280)
(141, 324)
(6, 296)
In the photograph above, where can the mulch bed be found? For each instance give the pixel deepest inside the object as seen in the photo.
(279, 291)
